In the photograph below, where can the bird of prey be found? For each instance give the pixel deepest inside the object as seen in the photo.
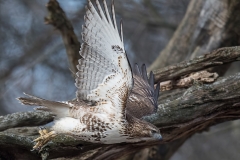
(111, 99)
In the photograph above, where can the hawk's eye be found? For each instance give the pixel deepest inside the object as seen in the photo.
(154, 131)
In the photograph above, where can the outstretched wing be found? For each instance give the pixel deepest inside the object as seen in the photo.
(143, 98)
(104, 73)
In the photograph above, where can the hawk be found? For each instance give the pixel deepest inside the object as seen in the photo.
(110, 99)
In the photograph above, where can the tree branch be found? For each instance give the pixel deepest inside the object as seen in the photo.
(58, 19)
(215, 58)
(25, 119)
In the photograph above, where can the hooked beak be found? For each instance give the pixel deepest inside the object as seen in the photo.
(157, 136)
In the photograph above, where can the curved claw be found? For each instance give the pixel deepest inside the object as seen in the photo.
(32, 150)
(42, 128)
(43, 139)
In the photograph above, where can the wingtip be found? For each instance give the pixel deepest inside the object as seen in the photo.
(137, 70)
(89, 5)
(144, 72)
(136, 65)
(151, 79)
(121, 29)
(151, 75)
(113, 15)
(143, 65)
(27, 94)
(157, 91)
(158, 86)
(19, 100)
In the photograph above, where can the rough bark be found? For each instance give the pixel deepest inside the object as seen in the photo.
(215, 58)
(25, 119)
(179, 75)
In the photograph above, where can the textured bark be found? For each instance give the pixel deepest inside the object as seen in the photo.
(215, 58)
(25, 119)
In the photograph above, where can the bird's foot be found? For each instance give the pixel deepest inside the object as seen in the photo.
(44, 138)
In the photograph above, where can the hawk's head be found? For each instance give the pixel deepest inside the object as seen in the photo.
(142, 129)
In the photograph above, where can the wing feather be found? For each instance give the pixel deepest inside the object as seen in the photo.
(143, 98)
(121, 30)
(104, 74)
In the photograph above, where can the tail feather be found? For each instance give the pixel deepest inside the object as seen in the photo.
(60, 109)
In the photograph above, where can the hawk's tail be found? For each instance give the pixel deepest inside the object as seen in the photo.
(60, 109)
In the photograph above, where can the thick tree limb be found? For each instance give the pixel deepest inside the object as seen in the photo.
(58, 19)
(174, 73)
(214, 58)
(25, 119)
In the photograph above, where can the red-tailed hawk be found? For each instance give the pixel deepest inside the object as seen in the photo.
(110, 99)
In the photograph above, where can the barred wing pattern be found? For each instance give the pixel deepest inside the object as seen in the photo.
(143, 98)
(104, 73)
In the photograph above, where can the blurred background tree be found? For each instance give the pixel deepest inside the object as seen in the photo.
(33, 56)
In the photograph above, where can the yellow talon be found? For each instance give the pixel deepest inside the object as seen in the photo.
(44, 138)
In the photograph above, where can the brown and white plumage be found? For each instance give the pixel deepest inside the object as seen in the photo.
(143, 98)
(106, 108)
